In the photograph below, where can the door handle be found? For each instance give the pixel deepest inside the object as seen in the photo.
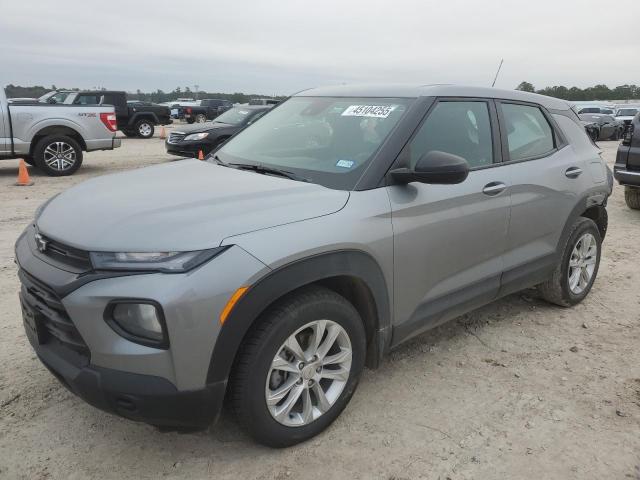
(493, 188)
(573, 172)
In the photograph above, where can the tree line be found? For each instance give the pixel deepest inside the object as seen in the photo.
(159, 96)
(597, 92)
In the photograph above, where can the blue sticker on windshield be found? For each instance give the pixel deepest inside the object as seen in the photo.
(345, 163)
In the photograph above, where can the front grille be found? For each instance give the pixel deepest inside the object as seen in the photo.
(65, 254)
(51, 314)
(176, 137)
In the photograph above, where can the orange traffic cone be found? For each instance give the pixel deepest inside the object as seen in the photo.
(23, 175)
(163, 133)
(200, 155)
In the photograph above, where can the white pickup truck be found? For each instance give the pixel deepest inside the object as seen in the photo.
(51, 136)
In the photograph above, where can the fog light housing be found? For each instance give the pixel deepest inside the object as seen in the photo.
(140, 321)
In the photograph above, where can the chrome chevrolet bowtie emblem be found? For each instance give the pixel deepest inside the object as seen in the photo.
(41, 243)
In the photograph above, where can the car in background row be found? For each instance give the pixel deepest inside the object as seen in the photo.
(207, 109)
(608, 127)
(592, 129)
(626, 114)
(208, 136)
(53, 137)
(595, 109)
(264, 101)
(135, 118)
(627, 167)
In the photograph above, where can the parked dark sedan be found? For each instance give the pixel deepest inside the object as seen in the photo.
(207, 136)
(610, 128)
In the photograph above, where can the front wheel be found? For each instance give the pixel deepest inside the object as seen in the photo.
(144, 128)
(632, 197)
(58, 155)
(299, 367)
(574, 276)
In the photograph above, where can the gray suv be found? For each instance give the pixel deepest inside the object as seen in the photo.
(344, 222)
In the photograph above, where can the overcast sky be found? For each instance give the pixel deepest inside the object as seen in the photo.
(282, 46)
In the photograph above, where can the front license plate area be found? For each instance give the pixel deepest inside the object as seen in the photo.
(33, 324)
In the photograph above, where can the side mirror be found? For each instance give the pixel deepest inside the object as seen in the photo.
(434, 167)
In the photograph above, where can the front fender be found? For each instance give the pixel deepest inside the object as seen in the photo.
(288, 278)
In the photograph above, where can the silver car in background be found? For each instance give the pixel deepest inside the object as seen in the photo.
(346, 221)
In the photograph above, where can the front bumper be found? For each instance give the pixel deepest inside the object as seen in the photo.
(187, 149)
(145, 398)
(167, 387)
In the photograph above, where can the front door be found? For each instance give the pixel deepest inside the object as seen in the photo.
(449, 240)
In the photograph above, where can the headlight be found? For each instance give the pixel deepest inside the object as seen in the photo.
(196, 136)
(140, 321)
(169, 262)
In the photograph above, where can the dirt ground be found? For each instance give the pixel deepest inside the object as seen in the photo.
(517, 390)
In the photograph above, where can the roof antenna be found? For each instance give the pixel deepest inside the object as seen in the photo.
(497, 73)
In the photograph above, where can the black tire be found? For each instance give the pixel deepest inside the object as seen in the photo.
(200, 118)
(556, 289)
(43, 155)
(632, 197)
(595, 135)
(144, 128)
(30, 161)
(253, 362)
(191, 120)
(130, 133)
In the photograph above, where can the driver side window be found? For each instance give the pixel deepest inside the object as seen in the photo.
(459, 128)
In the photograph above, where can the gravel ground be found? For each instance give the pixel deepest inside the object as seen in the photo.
(517, 389)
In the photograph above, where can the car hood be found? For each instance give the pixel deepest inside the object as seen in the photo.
(204, 127)
(182, 206)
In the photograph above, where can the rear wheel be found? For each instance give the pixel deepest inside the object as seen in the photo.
(130, 133)
(298, 368)
(58, 155)
(574, 276)
(201, 118)
(144, 128)
(632, 197)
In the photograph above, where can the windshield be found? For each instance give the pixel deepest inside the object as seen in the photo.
(327, 140)
(235, 116)
(627, 112)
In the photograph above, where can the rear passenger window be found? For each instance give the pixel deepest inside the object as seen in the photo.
(460, 128)
(528, 131)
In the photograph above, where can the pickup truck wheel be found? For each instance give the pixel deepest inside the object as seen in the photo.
(144, 128)
(632, 197)
(191, 120)
(574, 276)
(130, 133)
(30, 160)
(58, 155)
(201, 118)
(298, 368)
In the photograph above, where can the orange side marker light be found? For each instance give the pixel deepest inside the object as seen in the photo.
(237, 295)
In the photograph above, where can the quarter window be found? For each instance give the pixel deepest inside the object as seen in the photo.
(528, 131)
(460, 128)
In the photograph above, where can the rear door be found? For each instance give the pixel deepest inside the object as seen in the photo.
(449, 239)
(548, 181)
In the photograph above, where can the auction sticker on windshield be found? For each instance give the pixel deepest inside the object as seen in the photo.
(375, 111)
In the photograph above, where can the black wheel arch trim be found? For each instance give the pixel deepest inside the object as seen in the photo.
(596, 197)
(143, 116)
(290, 277)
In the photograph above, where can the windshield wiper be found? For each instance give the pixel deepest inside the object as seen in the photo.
(267, 170)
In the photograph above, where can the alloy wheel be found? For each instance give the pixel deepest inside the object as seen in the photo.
(145, 129)
(582, 263)
(60, 156)
(308, 373)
